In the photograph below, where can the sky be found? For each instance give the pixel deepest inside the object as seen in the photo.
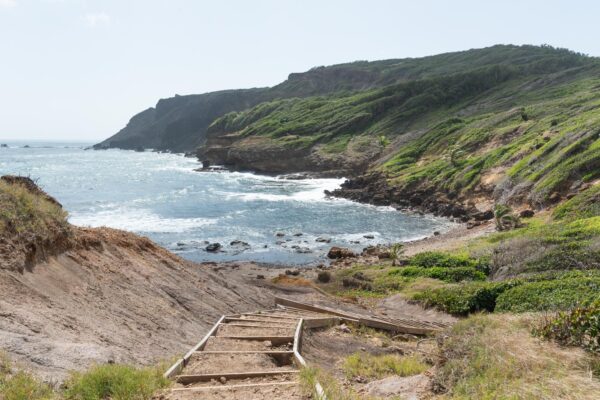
(79, 69)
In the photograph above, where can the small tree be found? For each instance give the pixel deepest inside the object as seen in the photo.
(396, 253)
(383, 141)
(505, 218)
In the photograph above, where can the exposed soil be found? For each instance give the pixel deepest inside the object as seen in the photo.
(225, 363)
(113, 297)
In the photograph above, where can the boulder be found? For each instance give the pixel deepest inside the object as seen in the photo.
(213, 247)
(324, 276)
(323, 240)
(527, 213)
(340, 252)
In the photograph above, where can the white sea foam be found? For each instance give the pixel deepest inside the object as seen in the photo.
(139, 221)
(309, 190)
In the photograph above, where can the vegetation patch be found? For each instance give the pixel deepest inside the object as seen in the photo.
(463, 299)
(556, 294)
(577, 327)
(23, 211)
(379, 366)
(496, 357)
(457, 274)
(20, 385)
(309, 376)
(116, 382)
(585, 205)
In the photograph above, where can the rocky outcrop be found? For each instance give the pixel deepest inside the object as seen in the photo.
(373, 188)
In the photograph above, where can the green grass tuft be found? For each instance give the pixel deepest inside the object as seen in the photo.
(115, 382)
(379, 366)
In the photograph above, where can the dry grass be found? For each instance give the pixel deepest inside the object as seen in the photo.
(22, 211)
(496, 357)
(331, 386)
(287, 280)
(372, 366)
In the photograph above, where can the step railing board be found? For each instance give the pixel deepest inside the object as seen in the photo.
(301, 362)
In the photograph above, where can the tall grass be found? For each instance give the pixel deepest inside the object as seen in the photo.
(22, 211)
(115, 382)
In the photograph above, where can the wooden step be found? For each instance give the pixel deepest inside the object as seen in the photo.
(268, 352)
(228, 387)
(188, 379)
(254, 325)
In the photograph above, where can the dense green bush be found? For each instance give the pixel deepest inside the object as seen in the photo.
(115, 382)
(556, 294)
(440, 259)
(577, 327)
(465, 298)
(457, 274)
(429, 259)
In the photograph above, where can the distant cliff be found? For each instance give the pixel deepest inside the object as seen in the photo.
(179, 123)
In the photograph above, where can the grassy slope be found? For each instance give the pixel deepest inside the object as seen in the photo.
(534, 120)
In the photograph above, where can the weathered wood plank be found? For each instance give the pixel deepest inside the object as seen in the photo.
(187, 379)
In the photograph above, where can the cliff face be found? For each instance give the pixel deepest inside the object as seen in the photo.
(178, 123)
(72, 297)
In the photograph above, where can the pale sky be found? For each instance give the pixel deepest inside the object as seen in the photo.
(79, 69)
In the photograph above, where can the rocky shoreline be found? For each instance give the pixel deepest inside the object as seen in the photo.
(373, 188)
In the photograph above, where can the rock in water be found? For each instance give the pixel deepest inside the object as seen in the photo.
(213, 247)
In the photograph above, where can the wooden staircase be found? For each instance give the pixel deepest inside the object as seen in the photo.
(257, 356)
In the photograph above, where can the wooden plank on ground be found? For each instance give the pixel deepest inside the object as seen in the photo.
(226, 387)
(187, 379)
(370, 322)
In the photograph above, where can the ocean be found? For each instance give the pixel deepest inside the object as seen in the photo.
(255, 218)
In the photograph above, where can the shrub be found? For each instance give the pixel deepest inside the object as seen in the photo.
(324, 276)
(371, 366)
(23, 386)
(505, 218)
(557, 294)
(457, 274)
(429, 259)
(465, 298)
(115, 382)
(577, 327)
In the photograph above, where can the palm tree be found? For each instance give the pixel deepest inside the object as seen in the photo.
(396, 252)
(505, 218)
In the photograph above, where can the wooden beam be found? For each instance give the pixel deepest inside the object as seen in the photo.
(259, 326)
(243, 320)
(202, 343)
(279, 339)
(370, 322)
(226, 387)
(187, 379)
(273, 352)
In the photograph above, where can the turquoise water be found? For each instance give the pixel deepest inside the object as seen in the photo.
(162, 197)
